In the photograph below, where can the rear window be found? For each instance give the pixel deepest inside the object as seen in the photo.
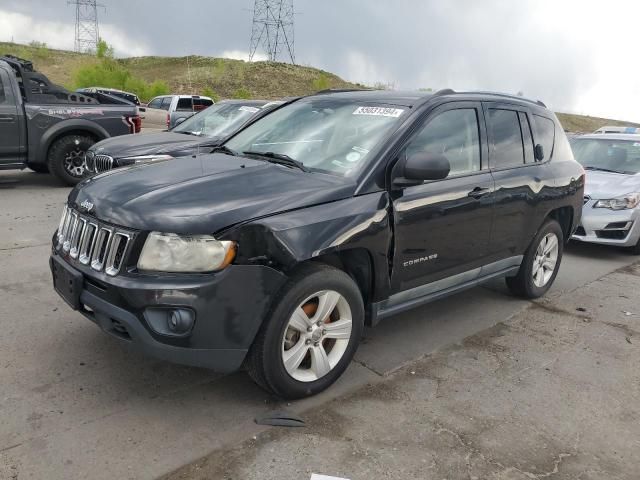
(201, 103)
(545, 135)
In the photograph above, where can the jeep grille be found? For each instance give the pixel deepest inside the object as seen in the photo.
(90, 242)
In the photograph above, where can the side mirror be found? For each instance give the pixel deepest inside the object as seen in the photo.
(420, 166)
(538, 152)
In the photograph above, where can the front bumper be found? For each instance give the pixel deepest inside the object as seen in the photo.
(229, 307)
(608, 227)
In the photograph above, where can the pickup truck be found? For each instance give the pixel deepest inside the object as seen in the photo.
(330, 213)
(167, 111)
(49, 129)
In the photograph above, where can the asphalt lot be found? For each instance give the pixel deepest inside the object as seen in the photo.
(75, 403)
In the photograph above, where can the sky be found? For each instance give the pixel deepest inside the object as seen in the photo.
(577, 56)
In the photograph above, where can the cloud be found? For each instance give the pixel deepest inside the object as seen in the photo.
(243, 55)
(22, 28)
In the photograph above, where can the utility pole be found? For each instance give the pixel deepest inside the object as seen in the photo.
(273, 29)
(87, 32)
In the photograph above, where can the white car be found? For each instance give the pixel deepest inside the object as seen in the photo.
(626, 130)
(611, 212)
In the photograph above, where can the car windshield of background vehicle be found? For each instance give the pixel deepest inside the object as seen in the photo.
(618, 156)
(218, 120)
(330, 135)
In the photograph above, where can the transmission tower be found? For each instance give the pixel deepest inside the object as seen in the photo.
(87, 33)
(273, 29)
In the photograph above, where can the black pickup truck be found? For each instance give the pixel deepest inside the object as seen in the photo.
(332, 212)
(48, 129)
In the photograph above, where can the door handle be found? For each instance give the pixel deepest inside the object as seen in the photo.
(479, 192)
(7, 119)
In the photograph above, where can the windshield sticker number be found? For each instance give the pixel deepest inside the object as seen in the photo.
(379, 111)
(245, 108)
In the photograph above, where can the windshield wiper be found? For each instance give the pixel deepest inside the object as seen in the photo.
(185, 132)
(224, 149)
(279, 158)
(599, 169)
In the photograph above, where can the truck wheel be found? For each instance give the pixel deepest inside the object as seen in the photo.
(66, 158)
(310, 335)
(540, 264)
(38, 167)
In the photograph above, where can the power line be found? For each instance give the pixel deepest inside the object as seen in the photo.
(87, 32)
(273, 29)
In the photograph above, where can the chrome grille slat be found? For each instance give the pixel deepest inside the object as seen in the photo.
(90, 242)
(86, 243)
(103, 163)
(77, 235)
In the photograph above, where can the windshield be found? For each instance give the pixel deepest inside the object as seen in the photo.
(619, 156)
(330, 135)
(218, 120)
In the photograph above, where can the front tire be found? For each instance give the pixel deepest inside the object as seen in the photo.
(66, 158)
(310, 335)
(540, 264)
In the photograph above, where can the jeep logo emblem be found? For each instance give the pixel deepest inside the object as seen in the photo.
(87, 205)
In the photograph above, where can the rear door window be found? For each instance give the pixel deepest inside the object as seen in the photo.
(506, 146)
(545, 134)
(166, 103)
(527, 137)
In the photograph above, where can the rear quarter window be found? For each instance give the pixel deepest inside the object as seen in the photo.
(545, 135)
(184, 105)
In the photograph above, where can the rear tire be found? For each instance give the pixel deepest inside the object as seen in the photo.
(66, 158)
(38, 167)
(540, 264)
(308, 340)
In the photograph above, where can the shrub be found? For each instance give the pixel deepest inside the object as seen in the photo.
(242, 93)
(208, 92)
(321, 82)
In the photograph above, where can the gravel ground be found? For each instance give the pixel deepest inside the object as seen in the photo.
(553, 392)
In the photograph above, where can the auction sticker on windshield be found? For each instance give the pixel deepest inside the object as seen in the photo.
(245, 108)
(379, 111)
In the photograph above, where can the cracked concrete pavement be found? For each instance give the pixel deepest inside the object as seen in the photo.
(76, 403)
(553, 392)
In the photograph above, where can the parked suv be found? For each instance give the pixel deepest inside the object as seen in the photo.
(332, 212)
(165, 112)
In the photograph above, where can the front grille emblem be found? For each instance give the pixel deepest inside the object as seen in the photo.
(87, 205)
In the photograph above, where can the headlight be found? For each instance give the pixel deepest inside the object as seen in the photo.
(143, 159)
(168, 252)
(630, 200)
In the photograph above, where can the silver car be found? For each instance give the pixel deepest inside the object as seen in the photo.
(611, 213)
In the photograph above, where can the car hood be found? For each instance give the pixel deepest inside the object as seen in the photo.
(164, 143)
(202, 194)
(604, 185)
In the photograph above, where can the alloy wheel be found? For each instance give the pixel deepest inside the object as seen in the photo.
(74, 162)
(316, 336)
(545, 260)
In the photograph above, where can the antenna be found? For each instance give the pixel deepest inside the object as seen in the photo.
(273, 29)
(87, 33)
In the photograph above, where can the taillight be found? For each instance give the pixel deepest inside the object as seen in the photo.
(134, 123)
(168, 120)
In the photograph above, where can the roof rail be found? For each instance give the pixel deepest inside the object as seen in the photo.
(508, 95)
(444, 91)
(342, 90)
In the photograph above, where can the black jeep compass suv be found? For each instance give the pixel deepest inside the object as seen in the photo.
(331, 213)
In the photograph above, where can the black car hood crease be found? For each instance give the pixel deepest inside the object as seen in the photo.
(171, 143)
(203, 194)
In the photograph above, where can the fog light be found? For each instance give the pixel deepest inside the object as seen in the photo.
(180, 321)
(175, 322)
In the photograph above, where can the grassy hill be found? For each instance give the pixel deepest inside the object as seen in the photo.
(225, 77)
